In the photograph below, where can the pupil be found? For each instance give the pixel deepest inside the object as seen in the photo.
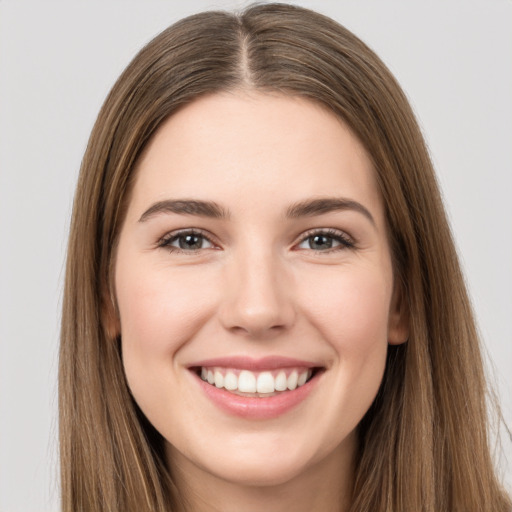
(190, 242)
(320, 242)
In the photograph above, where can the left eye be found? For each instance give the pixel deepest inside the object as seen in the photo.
(187, 241)
(325, 241)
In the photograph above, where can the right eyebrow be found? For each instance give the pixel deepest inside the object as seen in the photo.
(186, 207)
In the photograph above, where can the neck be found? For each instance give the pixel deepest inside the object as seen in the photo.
(324, 486)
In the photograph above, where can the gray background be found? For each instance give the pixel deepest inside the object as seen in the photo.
(58, 61)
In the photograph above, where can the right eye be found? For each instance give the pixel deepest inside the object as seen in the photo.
(185, 241)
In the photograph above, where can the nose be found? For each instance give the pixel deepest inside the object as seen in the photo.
(258, 297)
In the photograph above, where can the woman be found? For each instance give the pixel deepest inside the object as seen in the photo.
(263, 305)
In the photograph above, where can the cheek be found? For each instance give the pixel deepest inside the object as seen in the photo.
(159, 309)
(351, 308)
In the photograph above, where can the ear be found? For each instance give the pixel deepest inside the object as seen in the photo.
(110, 316)
(398, 321)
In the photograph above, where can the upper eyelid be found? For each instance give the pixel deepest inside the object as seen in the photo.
(332, 231)
(185, 231)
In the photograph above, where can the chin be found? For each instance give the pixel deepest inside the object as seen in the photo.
(257, 473)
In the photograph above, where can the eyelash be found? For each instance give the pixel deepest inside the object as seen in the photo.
(337, 236)
(334, 234)
(166, 241)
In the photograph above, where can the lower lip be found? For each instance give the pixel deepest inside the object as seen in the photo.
(257, 408)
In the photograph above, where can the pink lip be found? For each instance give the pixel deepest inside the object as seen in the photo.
(254, 408)
(247, 363)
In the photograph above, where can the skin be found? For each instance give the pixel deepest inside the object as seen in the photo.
(257, 288)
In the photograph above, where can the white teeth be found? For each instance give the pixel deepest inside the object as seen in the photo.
(219, 379)
(230, 381)
(249, 382)
(246, 382)
(300, 381)
(292, 380)
(265, 383)
(281, 382)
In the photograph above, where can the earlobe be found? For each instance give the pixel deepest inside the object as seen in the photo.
(398, 323)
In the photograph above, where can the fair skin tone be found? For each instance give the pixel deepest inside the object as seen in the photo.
(255, 276)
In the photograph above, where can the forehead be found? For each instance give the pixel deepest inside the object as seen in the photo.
(244, 147)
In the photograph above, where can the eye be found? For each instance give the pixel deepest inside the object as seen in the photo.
(186, 241)
(325, 240)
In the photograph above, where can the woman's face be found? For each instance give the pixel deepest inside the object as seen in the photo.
(254, 254)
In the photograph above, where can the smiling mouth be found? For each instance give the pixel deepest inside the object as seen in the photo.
(260, 384)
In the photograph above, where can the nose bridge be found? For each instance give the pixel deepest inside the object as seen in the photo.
(257, 299)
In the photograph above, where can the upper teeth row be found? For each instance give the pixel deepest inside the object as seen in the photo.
(249, 382)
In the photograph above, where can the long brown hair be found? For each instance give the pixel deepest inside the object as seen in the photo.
(423, 445)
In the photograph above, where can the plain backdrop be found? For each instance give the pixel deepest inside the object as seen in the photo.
(57, 63)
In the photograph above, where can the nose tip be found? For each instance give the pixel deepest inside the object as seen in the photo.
(257, 322)
(257, 302)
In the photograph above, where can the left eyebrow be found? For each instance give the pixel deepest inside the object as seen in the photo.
(320, 206)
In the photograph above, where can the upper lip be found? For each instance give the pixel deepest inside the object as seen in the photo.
(249, 363)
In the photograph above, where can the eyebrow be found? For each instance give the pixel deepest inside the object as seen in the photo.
(320, 206)
(306, 208)
(186, 207)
